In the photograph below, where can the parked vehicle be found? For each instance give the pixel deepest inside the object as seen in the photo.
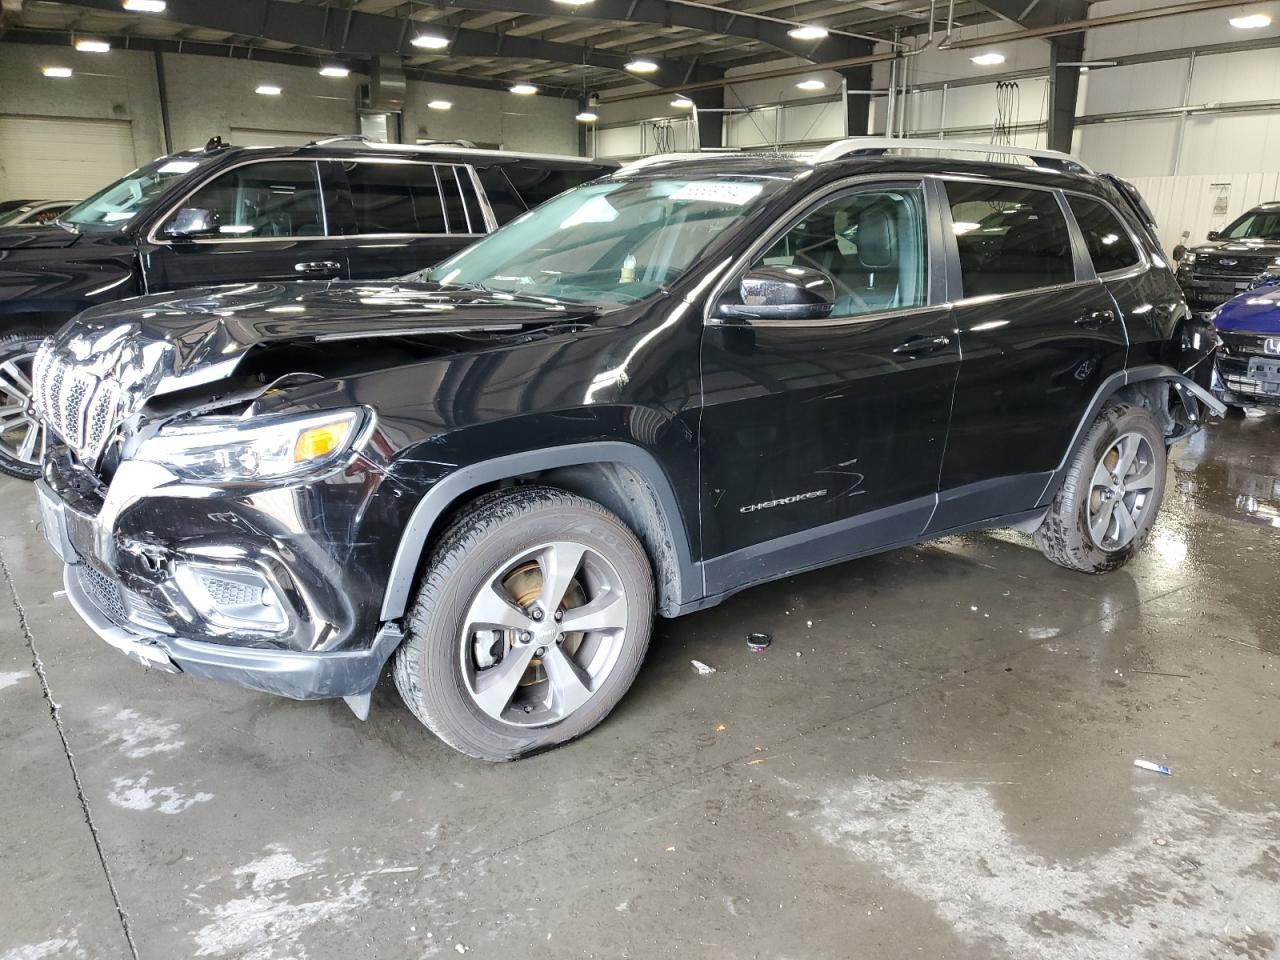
(15, 212)
(1214, 272)
(1248, 362)
(339, 209)
(658, 389)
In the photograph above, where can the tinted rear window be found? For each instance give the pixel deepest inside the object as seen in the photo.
(537, 183)
(395, 197)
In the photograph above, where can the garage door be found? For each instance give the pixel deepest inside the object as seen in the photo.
(253, 137)
(62, 159)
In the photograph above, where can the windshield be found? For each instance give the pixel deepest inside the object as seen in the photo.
(130, 195)
(1258, 225)
(611, 243)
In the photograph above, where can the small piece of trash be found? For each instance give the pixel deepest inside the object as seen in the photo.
(721, 728)
(808, 623)
(1153, 766)
(799, 654)
(59, 593)
(703, 669)
(1160, 842)
(758, 641)
(974, 609)
(670, 850)
(460, 948)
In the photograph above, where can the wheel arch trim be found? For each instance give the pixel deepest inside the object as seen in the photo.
(426, 515)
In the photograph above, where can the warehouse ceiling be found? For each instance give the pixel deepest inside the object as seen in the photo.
(496, 42)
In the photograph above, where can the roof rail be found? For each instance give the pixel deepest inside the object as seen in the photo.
(649, 161)
(358, 137)
(879, 146)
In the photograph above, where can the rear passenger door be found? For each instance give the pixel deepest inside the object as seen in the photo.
(405, 215)
(1038, 335)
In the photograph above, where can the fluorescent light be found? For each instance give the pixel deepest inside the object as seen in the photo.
(642, 66)
(807, 32)
(334, 70)
(523, 89)
(586, 116)
(430, 41)
(1251, 21)
(62, 72)
(439, 105)
(988, 59)
(144, 6)
(179, 166)
(811, 85)
(682, 103)
(93, 46)
(574, 3)
(267, 90)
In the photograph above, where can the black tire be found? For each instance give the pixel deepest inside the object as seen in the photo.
(430, 671)
(17, 347)
(1065, 536)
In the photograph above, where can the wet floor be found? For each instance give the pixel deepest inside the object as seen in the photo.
(934, 758)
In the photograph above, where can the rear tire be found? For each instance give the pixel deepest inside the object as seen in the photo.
(22, 437)
(1112, 494)
(492, 663)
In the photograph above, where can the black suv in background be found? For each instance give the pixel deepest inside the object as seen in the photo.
(339, 209)
(1214, 272)
(655, 390)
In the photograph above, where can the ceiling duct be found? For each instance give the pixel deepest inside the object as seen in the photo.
(387, 84)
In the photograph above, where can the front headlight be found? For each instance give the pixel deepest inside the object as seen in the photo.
(212, 449)
(1188, 258)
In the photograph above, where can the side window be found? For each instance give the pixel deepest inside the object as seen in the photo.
(539, 181)
(1009, 238)
(1108, 241)
(871, 244)
(395, 197)
(503, 199)
(269, 199)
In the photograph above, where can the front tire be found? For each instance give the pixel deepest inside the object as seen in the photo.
(531, 621)
(1109, 501)
(22, 438)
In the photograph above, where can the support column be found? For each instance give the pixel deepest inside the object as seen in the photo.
(857, 106)
(710, 125)
(1064, 86)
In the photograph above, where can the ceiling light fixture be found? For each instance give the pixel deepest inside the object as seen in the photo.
(439, 104)
(144, 6)
(807, 32)
(1251, 21)
(586, 116)
(430, 41)
(642, 66)
(988, 59)
(523, 89)
(334, 70)
(267, 90)
(574, 3)
(60, 72)
(682, 103)
(93, 46)
(811, 85)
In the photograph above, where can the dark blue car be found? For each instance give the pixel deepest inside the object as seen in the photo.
(1248, 364)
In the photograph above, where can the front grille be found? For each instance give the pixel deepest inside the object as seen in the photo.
(105, 594)
(1234, 266)
(1249, 388)
(1245, 344)
(80, 407)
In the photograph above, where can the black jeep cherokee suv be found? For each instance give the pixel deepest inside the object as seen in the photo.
(1235, 256)
(653, 391)
(338, 209)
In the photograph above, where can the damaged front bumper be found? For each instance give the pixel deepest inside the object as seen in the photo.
(245, 590)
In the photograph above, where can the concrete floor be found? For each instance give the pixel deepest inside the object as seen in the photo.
(934, 759)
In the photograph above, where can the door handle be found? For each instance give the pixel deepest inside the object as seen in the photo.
(317, 266)
(1094, 318)
(920, 344)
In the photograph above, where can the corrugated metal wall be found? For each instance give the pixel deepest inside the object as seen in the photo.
(1193, 203)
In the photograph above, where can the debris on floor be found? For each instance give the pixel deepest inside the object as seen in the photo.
(1152, 766)
(758, 641)
(702, 669)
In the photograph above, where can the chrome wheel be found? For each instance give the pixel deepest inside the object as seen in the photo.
(1122, 491)
(21, 434)
(542, 634)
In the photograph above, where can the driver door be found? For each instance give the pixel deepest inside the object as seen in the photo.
(822, 439)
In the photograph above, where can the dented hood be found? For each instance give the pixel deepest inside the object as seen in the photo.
(106, 363)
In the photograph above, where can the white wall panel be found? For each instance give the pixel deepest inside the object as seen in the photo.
(1187, 203)
(1134, 148)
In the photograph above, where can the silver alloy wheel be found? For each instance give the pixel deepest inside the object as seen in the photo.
(21, 434)
(1121, 491)
(543, 633)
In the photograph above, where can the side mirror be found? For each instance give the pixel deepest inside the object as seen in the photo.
(782, 293)
(1213, 235)
(190, 223)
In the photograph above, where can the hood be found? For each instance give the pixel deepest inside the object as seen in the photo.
(26, 236)
(1257, 311)
(1246, 248)
(103, 366)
